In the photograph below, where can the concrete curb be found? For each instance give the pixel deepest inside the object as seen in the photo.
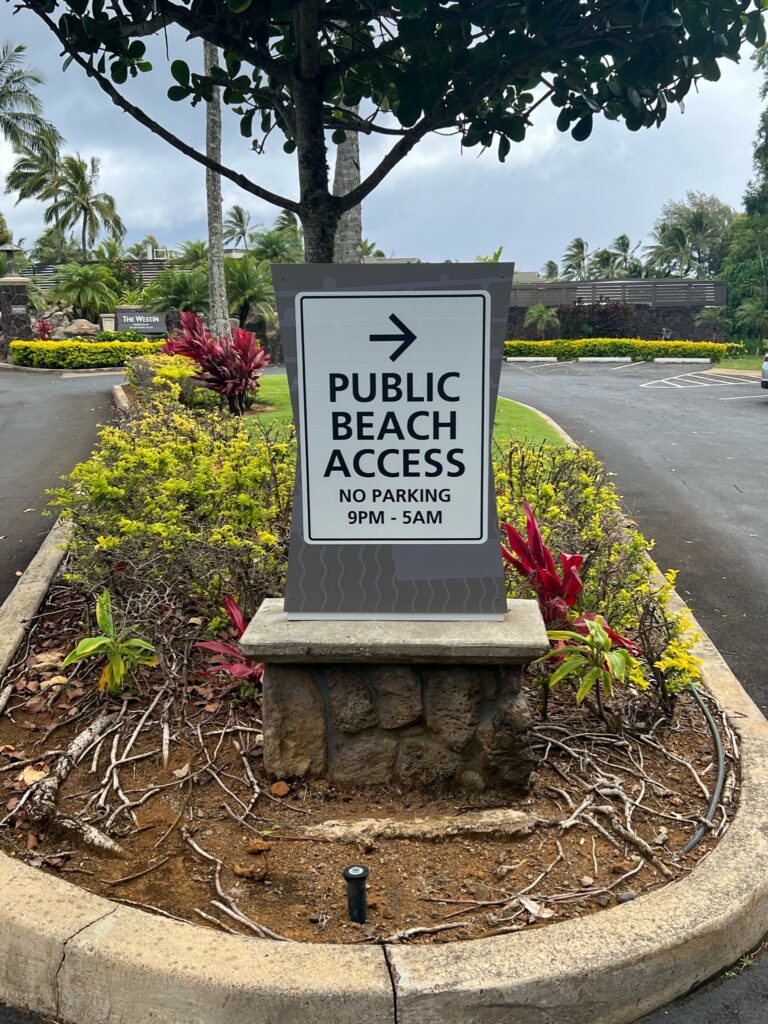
(530, 359)
(81, 959)
(121, 400)
(547, 419)
(682, 361)
(11, 368)
(604, 359)
(27, 596)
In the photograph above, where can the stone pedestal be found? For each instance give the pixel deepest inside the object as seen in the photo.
(14, 310)
(416, 704)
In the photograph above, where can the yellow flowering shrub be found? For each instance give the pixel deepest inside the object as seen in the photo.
(637, 348)
(185, 502)
(579, 512)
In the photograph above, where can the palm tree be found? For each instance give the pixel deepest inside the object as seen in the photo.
(35, 172)
(218, 315)
(550, 271)
(22, 124)
(110, 249)
(603, 265)
(371, 249)
(236, 225)
(54, 246)
(752, 318)
(139, 249)
(703, 234)
(77, 199)
(90, 289)
(249, 286)
(542, 319)
(178, 289)
(628, 264)
(494, 257)
(193, 255)
(575, 260)
(278, 245)
(715, 319)
(672, 251)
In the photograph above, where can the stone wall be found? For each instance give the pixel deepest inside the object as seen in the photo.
(15, 321)
(414, 725)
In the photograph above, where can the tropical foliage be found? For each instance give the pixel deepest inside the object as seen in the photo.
(78, 201)
(542, 319)
(231, 367)
(249, 287)
(89, 289)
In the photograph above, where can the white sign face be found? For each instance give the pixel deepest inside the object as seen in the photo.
(394, 431)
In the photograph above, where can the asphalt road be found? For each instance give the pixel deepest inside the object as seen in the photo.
(47, 425)
(689, 453)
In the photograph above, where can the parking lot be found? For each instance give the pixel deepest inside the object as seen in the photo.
(689, 449)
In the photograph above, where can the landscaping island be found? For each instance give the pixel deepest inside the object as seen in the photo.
(179, 510)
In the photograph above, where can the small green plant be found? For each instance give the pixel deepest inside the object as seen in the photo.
(591, 660)
(122, 651)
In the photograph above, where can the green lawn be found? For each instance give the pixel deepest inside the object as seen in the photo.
(513, 421)
(741, 363)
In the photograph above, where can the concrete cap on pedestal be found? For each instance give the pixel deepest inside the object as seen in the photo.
(517, 638)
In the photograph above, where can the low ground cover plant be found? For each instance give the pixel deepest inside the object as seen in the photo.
(78, 354)
(123, 652)
(637, 348)
(172, 376)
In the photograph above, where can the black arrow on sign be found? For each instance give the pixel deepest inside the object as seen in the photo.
(407, 337)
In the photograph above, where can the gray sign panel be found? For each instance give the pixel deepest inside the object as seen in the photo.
(134, 319)
(393, 372)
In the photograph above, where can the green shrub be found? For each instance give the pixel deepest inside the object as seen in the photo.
(157, 375)
(78, 354)
(179, 505)
(122, 336)
(637, 348)
(579, 512)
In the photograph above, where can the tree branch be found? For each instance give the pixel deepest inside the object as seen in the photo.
(157, 129)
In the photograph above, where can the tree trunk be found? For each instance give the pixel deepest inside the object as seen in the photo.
(218, 317)
(349, 233)
(318, 209)
(84, 240)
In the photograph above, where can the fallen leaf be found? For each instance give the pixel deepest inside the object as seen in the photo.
(53, 681)
(256, 872)
(30, 510)
(196, 620)
(35, 704)
(280, 788)
(212, 708)
(11, 805)
(30, 775)
(183, 772)
(259, 846)
(536, 910)
(32, 841)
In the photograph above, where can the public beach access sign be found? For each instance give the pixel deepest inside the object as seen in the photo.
(394, 416)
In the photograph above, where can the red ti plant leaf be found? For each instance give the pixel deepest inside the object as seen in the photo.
(231, 367)
(531, 557)
(230, 658)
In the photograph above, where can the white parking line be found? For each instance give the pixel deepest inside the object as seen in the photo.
(696, 380)
(740, 398)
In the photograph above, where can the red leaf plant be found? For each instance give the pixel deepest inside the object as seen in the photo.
(230, 658)
(231, 367)
(43, 328)
(556, 592)
(531, 557)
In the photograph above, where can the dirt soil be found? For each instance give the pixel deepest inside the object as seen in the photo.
(615, 811)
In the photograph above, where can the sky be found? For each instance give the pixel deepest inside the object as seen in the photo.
(439, 203)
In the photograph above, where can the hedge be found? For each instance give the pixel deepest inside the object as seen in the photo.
(634, 347)
(78, 355)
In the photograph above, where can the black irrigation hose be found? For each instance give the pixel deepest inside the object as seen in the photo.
(719, 782)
